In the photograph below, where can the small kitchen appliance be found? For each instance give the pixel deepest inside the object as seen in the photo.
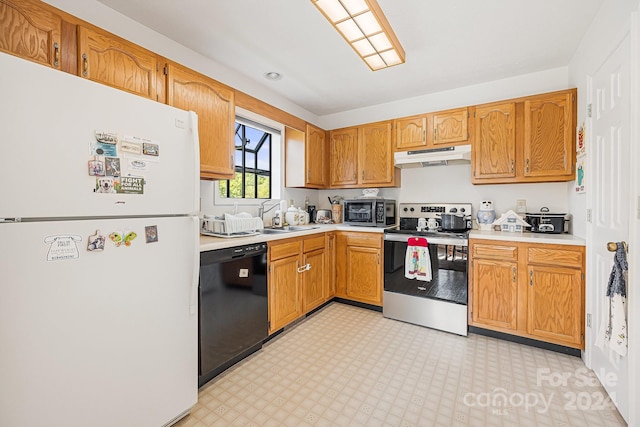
(546, 222)
(368, 211)
(442, 302)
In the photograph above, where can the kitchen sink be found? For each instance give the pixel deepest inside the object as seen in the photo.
(288, 229)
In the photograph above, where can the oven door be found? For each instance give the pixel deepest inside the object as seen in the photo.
(449, 261)
(440, 303)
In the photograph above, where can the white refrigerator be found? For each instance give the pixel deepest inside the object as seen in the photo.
(99, 193)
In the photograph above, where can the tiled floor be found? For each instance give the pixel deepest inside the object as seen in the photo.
(348, 366)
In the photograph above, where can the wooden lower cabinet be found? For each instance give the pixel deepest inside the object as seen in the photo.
(359, 264)
(526, 289)
(297, 279)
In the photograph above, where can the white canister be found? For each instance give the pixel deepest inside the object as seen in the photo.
(292, 217)
(432, 224)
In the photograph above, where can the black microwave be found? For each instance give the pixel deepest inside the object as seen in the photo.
(370, 212)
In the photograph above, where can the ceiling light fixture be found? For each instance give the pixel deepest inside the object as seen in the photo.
(366, 29)
(272, 75)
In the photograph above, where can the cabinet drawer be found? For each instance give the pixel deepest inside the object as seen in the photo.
(553, 256)
(313, 243)
(495, 251)
(284, 250)
(369, 240)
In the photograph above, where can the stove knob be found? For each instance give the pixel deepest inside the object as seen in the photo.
(412, 209)
(405, 209)
(453, 210)
(462, 210)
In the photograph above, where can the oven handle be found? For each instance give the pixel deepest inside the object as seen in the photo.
(437, 240)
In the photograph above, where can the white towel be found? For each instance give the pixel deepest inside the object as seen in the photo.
(613, 327)
(417, 264)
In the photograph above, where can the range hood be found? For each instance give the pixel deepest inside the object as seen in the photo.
(459, 154)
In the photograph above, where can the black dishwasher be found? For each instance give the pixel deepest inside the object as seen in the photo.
(233, 316)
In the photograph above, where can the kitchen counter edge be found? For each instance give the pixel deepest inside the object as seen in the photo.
(208, 243)
(527, 237)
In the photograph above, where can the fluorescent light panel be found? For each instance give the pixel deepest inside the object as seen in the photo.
(363, 25)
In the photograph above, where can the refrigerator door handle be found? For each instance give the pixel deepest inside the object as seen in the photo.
(195, 277)
(196, 159)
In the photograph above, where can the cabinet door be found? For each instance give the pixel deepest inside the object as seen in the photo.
(450, 127)
(214, 104)
(314, 280)
(364, 274)
(494, 147)
(375, 154)
(344, 157)
(549, 137)
(494, 290)
(30, 31)
(411, 133)
(110, 60)
(554, 304)
(284, 297)
(316, 157)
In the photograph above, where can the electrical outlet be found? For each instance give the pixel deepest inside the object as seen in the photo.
(521, 206)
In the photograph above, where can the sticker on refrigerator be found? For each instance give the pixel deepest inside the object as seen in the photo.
(95, 242)
(151, 233)
(102, 149)
(112, 166)
(131, 185)
(96, 167)
(107, 184)
(106, 137)
(134, 165)
(131, 147)
(62, 247)
(151, 149)
(120, 238)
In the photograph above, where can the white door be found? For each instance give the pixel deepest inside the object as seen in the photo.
(610, 188)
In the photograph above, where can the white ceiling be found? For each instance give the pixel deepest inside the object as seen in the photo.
(448, 44)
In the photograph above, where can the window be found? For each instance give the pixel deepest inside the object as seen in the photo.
(253, 164)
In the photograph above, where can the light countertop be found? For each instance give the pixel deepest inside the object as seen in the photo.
(209, 243)
(528, 237)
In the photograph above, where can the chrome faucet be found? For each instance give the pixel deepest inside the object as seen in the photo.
(262, 211)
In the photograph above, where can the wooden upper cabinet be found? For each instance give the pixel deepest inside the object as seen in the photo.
(108, 59)
(344, 157)
(529, 139)
(375, 154)
(451, 127)
(31, 31)
(494, 146)
(214, 105)
(411, 133)
(433, 130)
(549, 136)
(316, 159)
(306, 157)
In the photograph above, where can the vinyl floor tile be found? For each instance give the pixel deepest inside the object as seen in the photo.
(348, 366)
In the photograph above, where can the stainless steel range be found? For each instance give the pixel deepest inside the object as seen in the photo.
(441, 302)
